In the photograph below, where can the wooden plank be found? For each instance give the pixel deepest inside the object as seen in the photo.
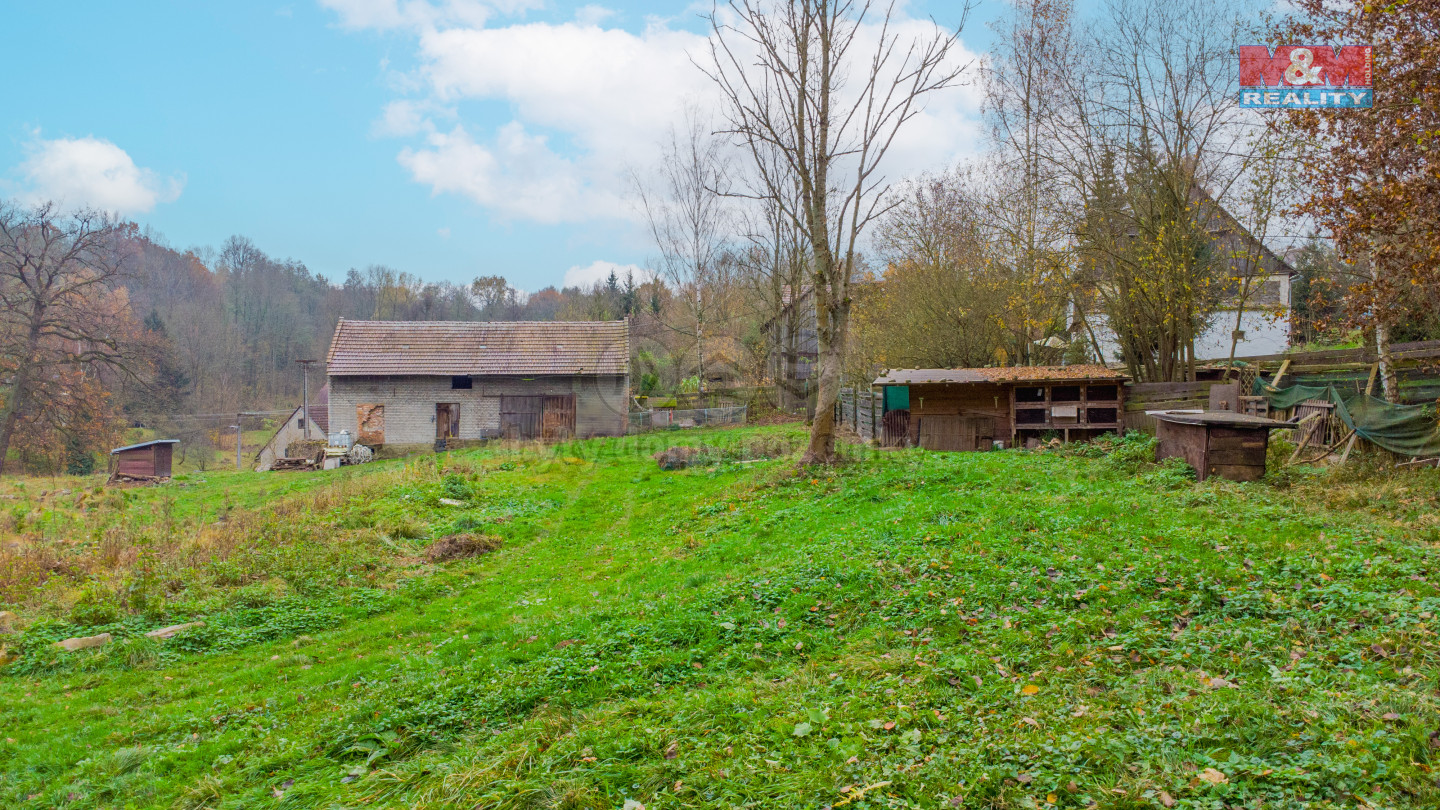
(1275, 381)
(1253, 456)
(1141, 389)
(1239, 472)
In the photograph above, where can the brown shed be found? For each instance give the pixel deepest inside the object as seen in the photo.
(1230, 445)
(973, 408)
(144, 460)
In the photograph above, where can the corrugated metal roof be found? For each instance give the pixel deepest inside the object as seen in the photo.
(932, 376)
(479, 348)
(143, 444)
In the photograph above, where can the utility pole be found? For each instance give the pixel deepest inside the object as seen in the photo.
(237, 439)
(305, 407)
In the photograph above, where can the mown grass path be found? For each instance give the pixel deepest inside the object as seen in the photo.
(910, 630)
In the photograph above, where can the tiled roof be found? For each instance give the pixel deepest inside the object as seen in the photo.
(930, 376)
(479, 348)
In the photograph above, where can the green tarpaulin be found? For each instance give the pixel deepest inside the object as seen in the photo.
(1410, 430)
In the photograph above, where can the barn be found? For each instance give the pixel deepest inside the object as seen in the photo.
(413, 384)
(982, 408)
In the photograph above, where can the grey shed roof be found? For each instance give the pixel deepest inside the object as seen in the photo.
(1005, 374)
(1223, 419)
(143, 444)
(388, 348)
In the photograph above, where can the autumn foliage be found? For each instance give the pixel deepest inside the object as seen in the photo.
(1372, 176)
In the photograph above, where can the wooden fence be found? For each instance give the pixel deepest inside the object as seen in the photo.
(860, 410)
(1142, 397)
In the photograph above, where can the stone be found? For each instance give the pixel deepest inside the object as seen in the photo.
(167, 632)
(7, 621)
(451, 502)
(83, 642)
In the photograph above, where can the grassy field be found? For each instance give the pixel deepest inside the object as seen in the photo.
(1009, 629)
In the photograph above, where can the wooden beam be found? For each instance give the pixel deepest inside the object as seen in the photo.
(1275, 381)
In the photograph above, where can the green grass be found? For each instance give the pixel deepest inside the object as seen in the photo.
(909, 630)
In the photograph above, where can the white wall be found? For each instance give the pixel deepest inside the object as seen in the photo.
(1265, 333)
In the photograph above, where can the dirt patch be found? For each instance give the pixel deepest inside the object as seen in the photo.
(678, 458)
(459, 546)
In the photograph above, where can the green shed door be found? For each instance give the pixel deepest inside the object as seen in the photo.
(897, 398)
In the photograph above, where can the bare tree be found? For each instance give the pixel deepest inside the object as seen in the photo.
(691, 222)
(777, 267)
(61, 315)
(795, 82)
(1156, 147)
(1031, 214)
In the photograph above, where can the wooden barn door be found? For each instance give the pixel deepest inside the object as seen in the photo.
(447, 420)
(939, 432)
(956, 433)
(520, 417)
(558, 417)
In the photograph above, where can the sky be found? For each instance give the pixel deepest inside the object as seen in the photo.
(446, 138)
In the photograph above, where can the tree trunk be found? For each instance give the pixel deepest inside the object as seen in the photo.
(15, 404)
(789, 383)
(822, 431)
(1389, 384)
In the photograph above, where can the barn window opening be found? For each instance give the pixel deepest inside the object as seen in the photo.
(1030, 416)
(1103, 393)
(1065, 393)
(461, 383)
(1029, 394)
(1100, 416)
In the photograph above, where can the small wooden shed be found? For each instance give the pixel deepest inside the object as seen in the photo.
(1230, 445)
(144, 460)
(974, 408)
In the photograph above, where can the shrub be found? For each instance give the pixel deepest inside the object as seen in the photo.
(404, 526)
(96, 605)
(455, 487)
(143, 594)
(1131, 453)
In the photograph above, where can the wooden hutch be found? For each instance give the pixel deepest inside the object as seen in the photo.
(981, 408)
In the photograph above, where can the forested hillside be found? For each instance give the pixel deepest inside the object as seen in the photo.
(236, 320)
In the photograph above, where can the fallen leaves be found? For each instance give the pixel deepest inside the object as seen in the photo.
(1166, 799)
(1213, 776)
(1030, 689)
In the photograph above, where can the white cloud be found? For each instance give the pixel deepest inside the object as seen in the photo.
(597, 272)
(405, 117)
(92, 172)
(587, 104)
(517, 175)
(391, 14)
(593, 14)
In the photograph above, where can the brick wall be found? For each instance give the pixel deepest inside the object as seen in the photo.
(601, 403)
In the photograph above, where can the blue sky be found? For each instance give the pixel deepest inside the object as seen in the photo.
(447, 138)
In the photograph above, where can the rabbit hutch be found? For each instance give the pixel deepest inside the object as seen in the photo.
(961, 409)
